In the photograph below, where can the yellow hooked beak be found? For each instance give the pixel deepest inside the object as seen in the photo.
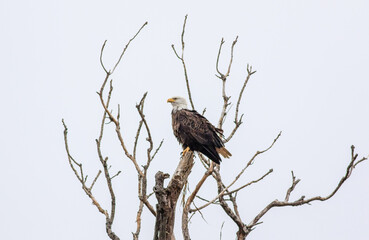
(170, 100)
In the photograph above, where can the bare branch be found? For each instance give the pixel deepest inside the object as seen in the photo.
(70, 158)
(231, 60)
(107, 112)
(125, 48)
(157, 149)
(101, 55)
(116, 175)
(95, 202)
(205, 200)
(183, 62)
(109, 219)
(221, 230)
(108, 180)
(117, 128)
(175, 52)
(302, 200)
(217, 62)
(238, 121)
(232, 198)
(235, 217)
(136, 138)
(94, 181)
(140, 209)
(223, 77)
(149, 138)
(237, 125)
(250, 183)
(182, 35)
(204, 161)
(186, 234)
(142, 179)
(239, 175)
(105, 104)
(104, 160)
(294, 183)
(138, 221)
(249, 73)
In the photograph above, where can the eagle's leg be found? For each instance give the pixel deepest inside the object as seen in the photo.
(186, 150)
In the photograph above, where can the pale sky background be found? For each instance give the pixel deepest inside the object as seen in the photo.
(312, 82)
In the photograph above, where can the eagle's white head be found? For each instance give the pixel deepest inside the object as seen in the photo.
(178, 103)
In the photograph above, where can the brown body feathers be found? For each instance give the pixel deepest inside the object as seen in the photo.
(196, 132)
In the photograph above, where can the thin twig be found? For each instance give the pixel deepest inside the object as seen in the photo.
(221, 230)
(248, 184)
(223, 77)
(125, 48)
(94, 181)
(183, 62)
(83, 183)
(293, 185)
(116, 175)
(107, 111)
(236, 218)
(205, 200)
(149, 138)
(218, 56)
(117, 130)
(238, 121)
(136, 138)
(157, 149)
(101, 60)
(251, 161)
(70, 158)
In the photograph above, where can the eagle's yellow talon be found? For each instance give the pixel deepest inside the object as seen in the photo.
(186, 150)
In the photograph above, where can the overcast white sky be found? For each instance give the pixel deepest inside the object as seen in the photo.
(312, 81)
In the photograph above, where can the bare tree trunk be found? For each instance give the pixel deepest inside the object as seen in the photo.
(167, 197)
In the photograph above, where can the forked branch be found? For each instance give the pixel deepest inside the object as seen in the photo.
(238, 120)
(88, 190)
(223, 77)
(142, 173)
(302, 201)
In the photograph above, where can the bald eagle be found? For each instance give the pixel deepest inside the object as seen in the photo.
(195, 132)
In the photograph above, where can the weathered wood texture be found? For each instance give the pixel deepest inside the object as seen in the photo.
(168, 196)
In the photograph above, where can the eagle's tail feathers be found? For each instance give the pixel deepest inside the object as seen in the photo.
(211, 154)
(224, 152)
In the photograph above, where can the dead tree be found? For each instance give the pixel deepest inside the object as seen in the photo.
(167, 197)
